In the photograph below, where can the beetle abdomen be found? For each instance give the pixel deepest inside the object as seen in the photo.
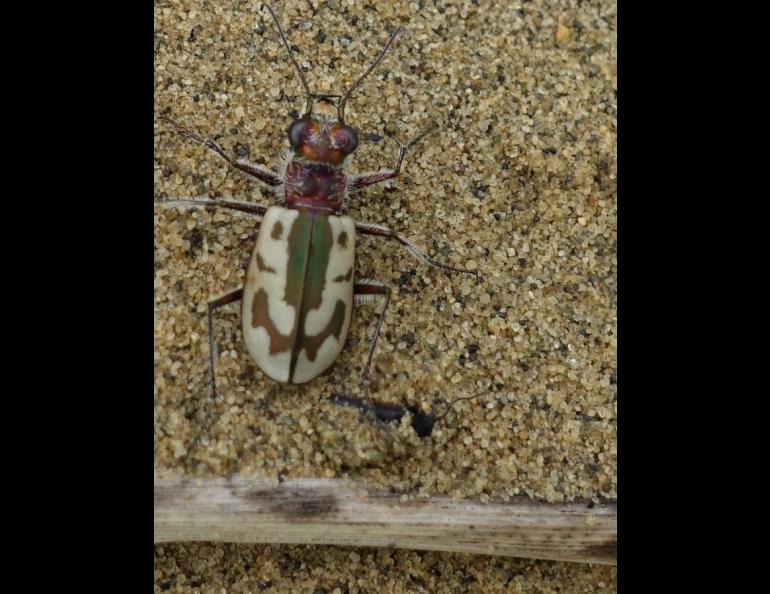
(299, 293)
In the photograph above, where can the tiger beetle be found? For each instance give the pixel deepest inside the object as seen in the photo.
(300, 288)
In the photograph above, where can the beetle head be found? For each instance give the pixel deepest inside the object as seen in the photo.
(321, 135)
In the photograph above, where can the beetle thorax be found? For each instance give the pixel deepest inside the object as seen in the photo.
(314, 186)
(313, 178)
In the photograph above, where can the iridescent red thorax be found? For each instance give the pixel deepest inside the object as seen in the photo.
(314, 186)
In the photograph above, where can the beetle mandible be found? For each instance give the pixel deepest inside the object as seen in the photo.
(300, 288)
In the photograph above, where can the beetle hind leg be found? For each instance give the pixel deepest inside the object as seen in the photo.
(213, 304)
(365, 292)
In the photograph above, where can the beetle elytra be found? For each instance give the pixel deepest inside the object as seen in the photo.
(300, 286)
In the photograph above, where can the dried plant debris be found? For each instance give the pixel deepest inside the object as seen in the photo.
(519, 183)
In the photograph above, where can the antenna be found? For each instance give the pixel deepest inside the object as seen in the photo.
(391, 39)
(293, 59)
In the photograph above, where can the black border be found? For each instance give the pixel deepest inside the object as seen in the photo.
(670, 155)
(81, 256)
(83, 142)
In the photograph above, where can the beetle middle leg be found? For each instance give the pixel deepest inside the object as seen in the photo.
(383, 231)
(248, 207)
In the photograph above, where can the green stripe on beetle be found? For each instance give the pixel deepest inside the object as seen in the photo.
(299, 293)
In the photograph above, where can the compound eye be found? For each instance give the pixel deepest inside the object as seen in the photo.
(346, 139)
(299, 131)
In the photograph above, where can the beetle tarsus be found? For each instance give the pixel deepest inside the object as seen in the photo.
(433, 126)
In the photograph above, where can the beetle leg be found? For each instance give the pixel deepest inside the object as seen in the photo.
(213, 304)
(383, 231)
(364, 292)
(248, 207)
(253, 170)
(367, 179)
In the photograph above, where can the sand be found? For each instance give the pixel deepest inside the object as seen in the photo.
(519, 183)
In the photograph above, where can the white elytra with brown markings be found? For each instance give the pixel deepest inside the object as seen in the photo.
(307, 335)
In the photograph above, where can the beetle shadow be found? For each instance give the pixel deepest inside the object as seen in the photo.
(422, 423)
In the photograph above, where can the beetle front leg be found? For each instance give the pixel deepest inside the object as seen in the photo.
(367, 179)
(253, 170)
(383, 231)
